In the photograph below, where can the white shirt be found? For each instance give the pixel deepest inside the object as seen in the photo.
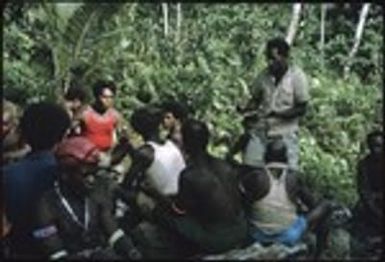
(163, 174)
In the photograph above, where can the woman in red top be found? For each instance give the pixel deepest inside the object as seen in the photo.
(100, 120)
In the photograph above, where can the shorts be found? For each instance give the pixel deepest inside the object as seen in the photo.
(288, 237)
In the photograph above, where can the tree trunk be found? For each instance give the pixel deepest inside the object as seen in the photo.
(165, 18)
(293, 23)
(357, 38)
(322, 33)
(178, 21)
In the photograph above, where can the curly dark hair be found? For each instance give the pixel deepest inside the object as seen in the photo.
(177, 109)
(146, 120)
(195, 135)
(280, 44)
(276, 151)
(98, 87)
(76, 92)
(44, 124)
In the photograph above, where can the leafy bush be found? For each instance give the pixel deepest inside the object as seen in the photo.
(339, 117)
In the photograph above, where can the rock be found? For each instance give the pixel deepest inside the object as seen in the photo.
(257, 251)
(338, 245)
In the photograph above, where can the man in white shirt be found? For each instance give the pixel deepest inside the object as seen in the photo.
(157, 162)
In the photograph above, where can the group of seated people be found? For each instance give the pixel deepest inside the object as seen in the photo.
(57, 206)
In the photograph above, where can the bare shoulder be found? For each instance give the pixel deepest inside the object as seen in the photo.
(145, 152)
(221, 164)
(115, 113)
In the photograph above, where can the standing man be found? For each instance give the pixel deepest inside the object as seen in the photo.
(279, 98)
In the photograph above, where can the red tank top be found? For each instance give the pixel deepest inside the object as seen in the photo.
(99, 129)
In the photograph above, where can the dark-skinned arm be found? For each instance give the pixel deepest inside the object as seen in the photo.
(238, 146)
(164, 201)
(118, 240)
(306, 196)
(298, 190)
(46, 232)
(122, 127)
(78, 125)
(123, 148)
(142, 159)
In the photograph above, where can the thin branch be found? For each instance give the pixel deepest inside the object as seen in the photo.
(293, 23)
(357, 38)
(165, 18)
(322, 29)
(178, 20)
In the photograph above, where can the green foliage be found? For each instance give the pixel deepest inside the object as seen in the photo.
(219, 51)
(340, 115)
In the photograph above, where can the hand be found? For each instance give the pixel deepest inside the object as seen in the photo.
(124, 134)
(127, 196)
(6, 226)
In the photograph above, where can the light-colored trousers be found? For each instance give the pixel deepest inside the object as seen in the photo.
(255, 150)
